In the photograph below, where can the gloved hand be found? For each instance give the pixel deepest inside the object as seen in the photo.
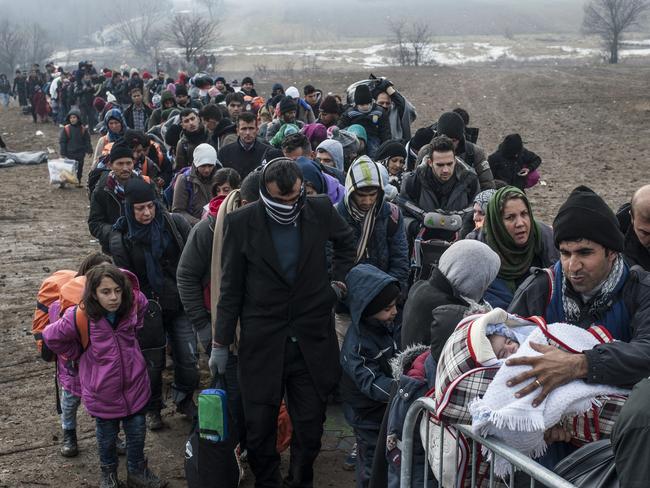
(218, 359)
(204, 335)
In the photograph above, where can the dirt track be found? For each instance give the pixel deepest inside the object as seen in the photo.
(590, 126)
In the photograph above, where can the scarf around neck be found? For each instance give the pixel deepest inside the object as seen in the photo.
(515, 260)
(363, 173)
(281, 213)
(600, 301)
(154, 239)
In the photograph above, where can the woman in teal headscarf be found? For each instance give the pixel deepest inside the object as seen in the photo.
(520, 241)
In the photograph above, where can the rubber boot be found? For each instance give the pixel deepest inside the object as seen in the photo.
(69, 445)
(144, 478)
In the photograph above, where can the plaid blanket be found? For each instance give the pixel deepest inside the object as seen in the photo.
(464, 374)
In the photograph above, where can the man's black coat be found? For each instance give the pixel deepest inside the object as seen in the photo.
(271, 310)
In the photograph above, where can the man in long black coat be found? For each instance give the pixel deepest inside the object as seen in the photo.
(275, 282)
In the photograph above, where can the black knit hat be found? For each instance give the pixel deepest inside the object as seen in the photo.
(247, 79)
(422, 137)
(390, 149)
(382, 299)
(362, 95)
(181, 90)
(511, 146)
(451, 124)
(585, 215)
(120, 150)
(287, 104)
(136, 190)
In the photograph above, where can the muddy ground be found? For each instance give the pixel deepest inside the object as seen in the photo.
(589, 124)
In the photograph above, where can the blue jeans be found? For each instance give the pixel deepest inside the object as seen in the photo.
(69, 406)
(135, 430)
(4, 99)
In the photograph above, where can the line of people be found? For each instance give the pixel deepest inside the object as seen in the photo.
(266, 236)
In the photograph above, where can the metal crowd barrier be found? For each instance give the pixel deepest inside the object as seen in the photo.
(520, 462)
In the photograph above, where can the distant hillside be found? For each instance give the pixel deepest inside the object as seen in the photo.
(292, 20)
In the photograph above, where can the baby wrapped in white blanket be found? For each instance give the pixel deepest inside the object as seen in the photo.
(514, 420)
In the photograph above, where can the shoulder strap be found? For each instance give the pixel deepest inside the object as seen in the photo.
(82, 326)
(66, 128)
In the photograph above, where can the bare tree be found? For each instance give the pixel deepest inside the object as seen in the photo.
(398, 31)
(12, 39)
(609, 19)
(410, 40)
(419, 36)
(141, 32)
(213, 7)
(37, 47)
(192, 33)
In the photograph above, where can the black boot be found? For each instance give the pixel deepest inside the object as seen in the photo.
(69, 445)
(144, 478)
(109, 477)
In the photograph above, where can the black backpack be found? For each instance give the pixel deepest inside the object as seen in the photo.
(211, 464)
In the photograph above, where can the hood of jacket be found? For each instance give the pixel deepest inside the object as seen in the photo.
(364, 283)
(73, 111)
(224, 126)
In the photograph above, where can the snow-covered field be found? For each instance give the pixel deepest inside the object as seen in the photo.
(371, 54)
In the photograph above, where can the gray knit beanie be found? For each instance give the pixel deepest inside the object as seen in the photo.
(470, 266)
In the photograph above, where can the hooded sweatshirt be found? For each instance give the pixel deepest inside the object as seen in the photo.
(74, 140)
(367, 349)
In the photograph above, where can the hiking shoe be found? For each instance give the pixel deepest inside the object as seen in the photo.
(144, 479)
(154, 421)
(69, 445)
(350, 462)
(109, 477)
(120, 445)
(187, 407)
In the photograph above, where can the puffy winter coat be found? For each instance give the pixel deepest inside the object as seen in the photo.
(112, 371)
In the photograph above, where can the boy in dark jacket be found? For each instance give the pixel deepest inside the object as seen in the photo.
(368, 347)
(74, 141)
(370, 116)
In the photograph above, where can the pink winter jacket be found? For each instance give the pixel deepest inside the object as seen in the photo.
(112, 371)
(66, 371)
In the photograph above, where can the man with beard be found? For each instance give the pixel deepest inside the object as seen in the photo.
(288, 111)
(451, 125)
(247, 152)
(193, 134)
(106, 202)
(275, 284)
(442, 183)
(193, 186)
(592, 285)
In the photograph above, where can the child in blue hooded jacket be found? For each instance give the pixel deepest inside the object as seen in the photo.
(367, 349)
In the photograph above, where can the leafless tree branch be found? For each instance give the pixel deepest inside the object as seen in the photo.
(610, 19)
(192, 33)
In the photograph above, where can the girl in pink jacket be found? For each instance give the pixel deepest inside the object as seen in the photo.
(112, 371)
